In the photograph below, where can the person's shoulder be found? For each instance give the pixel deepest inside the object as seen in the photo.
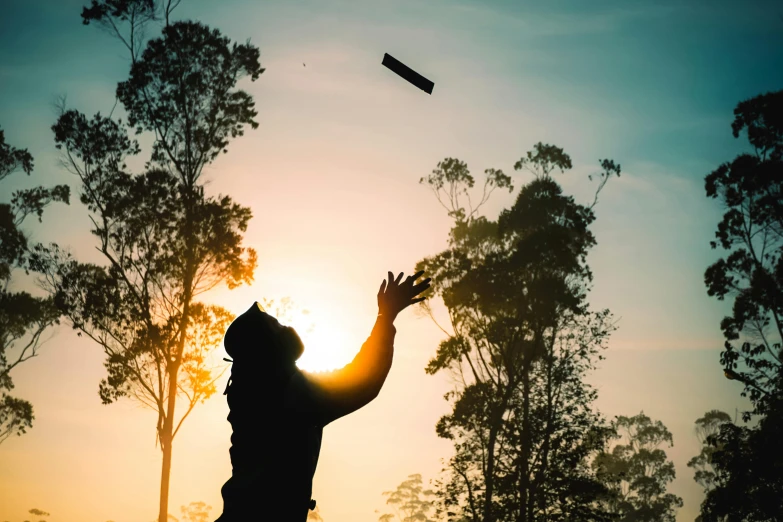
(304, 395)
(302, 382)
(316, 385)
(298, 378)
(320, 376)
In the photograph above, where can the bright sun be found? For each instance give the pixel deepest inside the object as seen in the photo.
(326, 347)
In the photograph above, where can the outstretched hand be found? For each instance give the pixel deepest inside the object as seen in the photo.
(394, 297)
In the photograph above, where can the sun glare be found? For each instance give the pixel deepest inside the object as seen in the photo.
(326, 348)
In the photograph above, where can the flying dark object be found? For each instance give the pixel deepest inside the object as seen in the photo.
(407, 73)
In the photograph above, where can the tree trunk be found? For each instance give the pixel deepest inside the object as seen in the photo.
(538, 487)
(166, 444)
(489, 479)
(166, 438)
(496, 425)
(525, 464)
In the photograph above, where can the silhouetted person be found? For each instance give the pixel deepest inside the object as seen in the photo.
(277, 412)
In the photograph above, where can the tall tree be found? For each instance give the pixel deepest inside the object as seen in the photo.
(707, 427)
(522, 337)
(747, 462)
(751, 231)
(163, 241)
(638, 472)
(22, 315)
(747, 484)
(410, 501)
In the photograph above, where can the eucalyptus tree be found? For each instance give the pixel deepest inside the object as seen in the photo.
(750, 189)
(638, 472)
(162, 241)
(707, 428)
(520, 340)
(23, 317)
(746, 461)
(410, 502)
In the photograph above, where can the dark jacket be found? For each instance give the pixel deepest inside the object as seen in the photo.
(278, 420)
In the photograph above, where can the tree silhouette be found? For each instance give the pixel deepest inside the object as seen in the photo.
(521, 340)
(21, 314)
(637, 471)
(38, 513)
(410, 502)
(707, 427)
(749, 188)
(196, 512)
(748, 470)
(163, 241)
(747, 462)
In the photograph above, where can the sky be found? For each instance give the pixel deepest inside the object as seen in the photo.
(332, 178)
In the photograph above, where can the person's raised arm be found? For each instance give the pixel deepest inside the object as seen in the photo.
(340, 392)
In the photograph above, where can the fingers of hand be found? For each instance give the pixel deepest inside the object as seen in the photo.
(412, 278)
(421, 287)
(404, 293)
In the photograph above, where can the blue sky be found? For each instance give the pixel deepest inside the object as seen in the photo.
(341, 146)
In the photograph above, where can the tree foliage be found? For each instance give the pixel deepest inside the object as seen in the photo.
(410, 502)
(638, 472)
(23, 317)
(163, 241)
(751, 231)
(196, 512)
(521, 340)
(183, 89)
(746, 480)
(747, 483)
(707, 427)
(38, 513)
